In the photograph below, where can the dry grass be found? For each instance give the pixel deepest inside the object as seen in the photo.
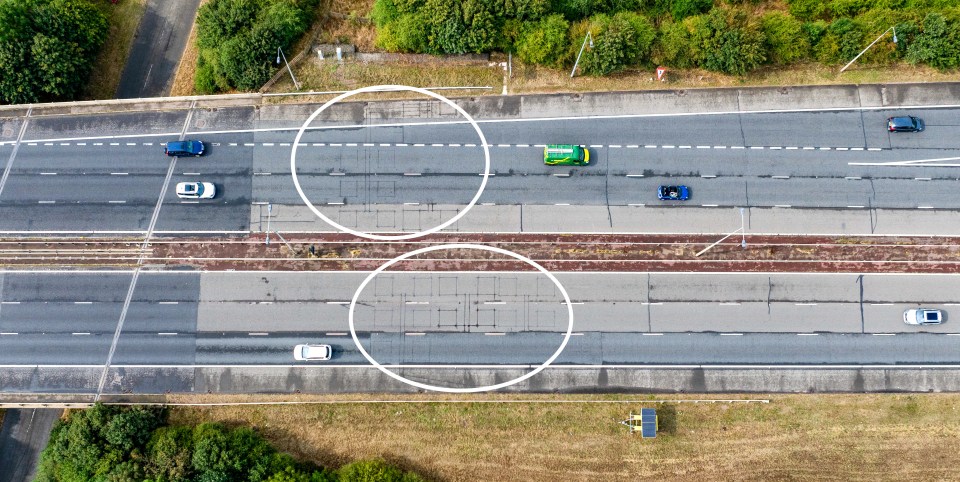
(330, 76)
(795, 437)
(124, 17)
(187, 68)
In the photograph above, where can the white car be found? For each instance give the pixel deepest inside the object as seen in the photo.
(922, 316)
(196, 190)
(312, 352)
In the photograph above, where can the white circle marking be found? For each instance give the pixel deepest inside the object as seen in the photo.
(390, 88)
(424, 386)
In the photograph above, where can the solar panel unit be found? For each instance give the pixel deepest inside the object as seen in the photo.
(648, 422)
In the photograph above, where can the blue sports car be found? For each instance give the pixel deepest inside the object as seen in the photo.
(673, 193)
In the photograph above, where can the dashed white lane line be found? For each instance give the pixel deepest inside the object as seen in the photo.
(652, 334)
(48, 174)
(731, 334)
(258, 333)
(495, 333)
(116, 202)
(922, 179)
(924, 207)
(131, 143)
(46, 202)
(169, 302)
(114, 143)
(781, 177)
(883, 334)
(853, 178)
(414, 333)
(634, 175)
(83, 302)
(808, 334)
(80, 333)
(167, 333)
(7, 333)
(805, 304)
(337, 333)
(730, 303)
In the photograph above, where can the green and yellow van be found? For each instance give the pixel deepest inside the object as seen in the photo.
(565, 155)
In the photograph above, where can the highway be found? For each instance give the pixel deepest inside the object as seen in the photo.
(105, 173)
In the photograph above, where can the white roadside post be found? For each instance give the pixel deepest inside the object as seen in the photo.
(269, 210)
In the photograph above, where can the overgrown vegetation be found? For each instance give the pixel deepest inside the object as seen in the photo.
(106, 443)
(731, 36)
(238, 40)
(47, 48)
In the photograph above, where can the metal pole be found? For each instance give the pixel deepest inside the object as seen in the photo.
(714, 244)
(280, 54)
(269, 210)
(743, 231)
(871, 45)
(588, 36)
(284, 241)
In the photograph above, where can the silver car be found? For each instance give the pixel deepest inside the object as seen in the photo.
(312, 352)
(922, 316)
(196, 190)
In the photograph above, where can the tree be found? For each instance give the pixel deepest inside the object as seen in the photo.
(937, 45)
(406, 34)
(622, 40)
(169, 452)
(47, 48)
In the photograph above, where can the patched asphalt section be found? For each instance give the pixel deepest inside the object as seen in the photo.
(24, 435)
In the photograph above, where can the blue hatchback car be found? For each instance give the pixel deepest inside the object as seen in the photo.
(183, 148)
(673, 193)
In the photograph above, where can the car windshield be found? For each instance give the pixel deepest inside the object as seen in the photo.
(199, 189)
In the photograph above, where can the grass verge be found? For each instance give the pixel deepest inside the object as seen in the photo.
(794, 437)
(124, 17)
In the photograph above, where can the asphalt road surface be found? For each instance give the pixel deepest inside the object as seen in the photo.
(157, 48)
(74, 174)
(24, 435)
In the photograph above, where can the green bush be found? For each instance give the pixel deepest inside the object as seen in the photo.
(545, 42)
(938, 44)
(405, 34)
(375, 471)
(727, 42)
(786, 41)
(843, 40)
(620, 41)
(674, 45)
(383, 13)
(807, 9)
(681, 9)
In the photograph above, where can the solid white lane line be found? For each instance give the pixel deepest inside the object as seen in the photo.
(781, 177)
(259, 333)
(338, 302)
(83, 302)
(47, 202)
(48, 174)
(169, 302)
(731, 334)
(80, 333)
(807, 334)
(418, 302)
(119, 173)
(8, 333)
(805, 304)
(634, 175)
(500, 333)
(413, 333)
(337, 333)
(883, 334)
(167, 333)
(652, 334)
